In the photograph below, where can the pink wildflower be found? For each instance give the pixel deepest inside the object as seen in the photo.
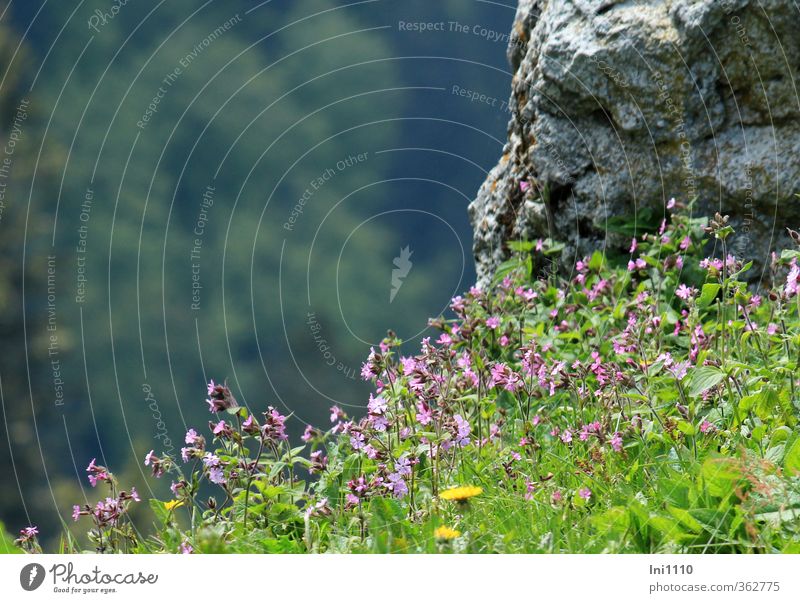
(336, 414)
(792, 280)
(639, 264)
(684, 292)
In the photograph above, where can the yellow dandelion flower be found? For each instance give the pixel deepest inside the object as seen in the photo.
(445, 533)
(172, 504)
(461, 494)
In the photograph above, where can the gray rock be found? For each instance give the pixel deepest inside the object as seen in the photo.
(618, 106)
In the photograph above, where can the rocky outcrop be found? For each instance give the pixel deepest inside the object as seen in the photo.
(617, 106)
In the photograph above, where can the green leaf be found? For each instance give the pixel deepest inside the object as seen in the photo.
(721, 475)
(759, 432)
(159, 510)
(505, 269)
(744, 269)
(781, 434)
(763, 403)
(791, 462)
(778, 517)
(268, 491)
(685, 518)
(597, 261)
(708, 294)
(703, 378)
(788, 254)
(7, 546)
(613, 522)
(521, 246)
(554, 249)
(723, 232)
(747, 403)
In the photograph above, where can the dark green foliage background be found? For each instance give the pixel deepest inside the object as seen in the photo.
(349, 66)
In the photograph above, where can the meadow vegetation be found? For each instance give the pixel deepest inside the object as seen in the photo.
(638, 405)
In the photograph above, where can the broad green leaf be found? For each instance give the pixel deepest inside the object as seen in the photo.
(766, 403)
(778, 517)
(748, 403)
(7, 546)
(613, 522)
(597, 261)
(759, 431)
(774, 454)
(159, 510)
(788, 254)
(781, 434)
(707, 295)
(521, 246)
(721, 475)
(703, 378)
(554, 249)
(744, 269)
(791, 463)
(685, 518)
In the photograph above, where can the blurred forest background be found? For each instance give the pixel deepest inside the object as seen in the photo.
(151, 161)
